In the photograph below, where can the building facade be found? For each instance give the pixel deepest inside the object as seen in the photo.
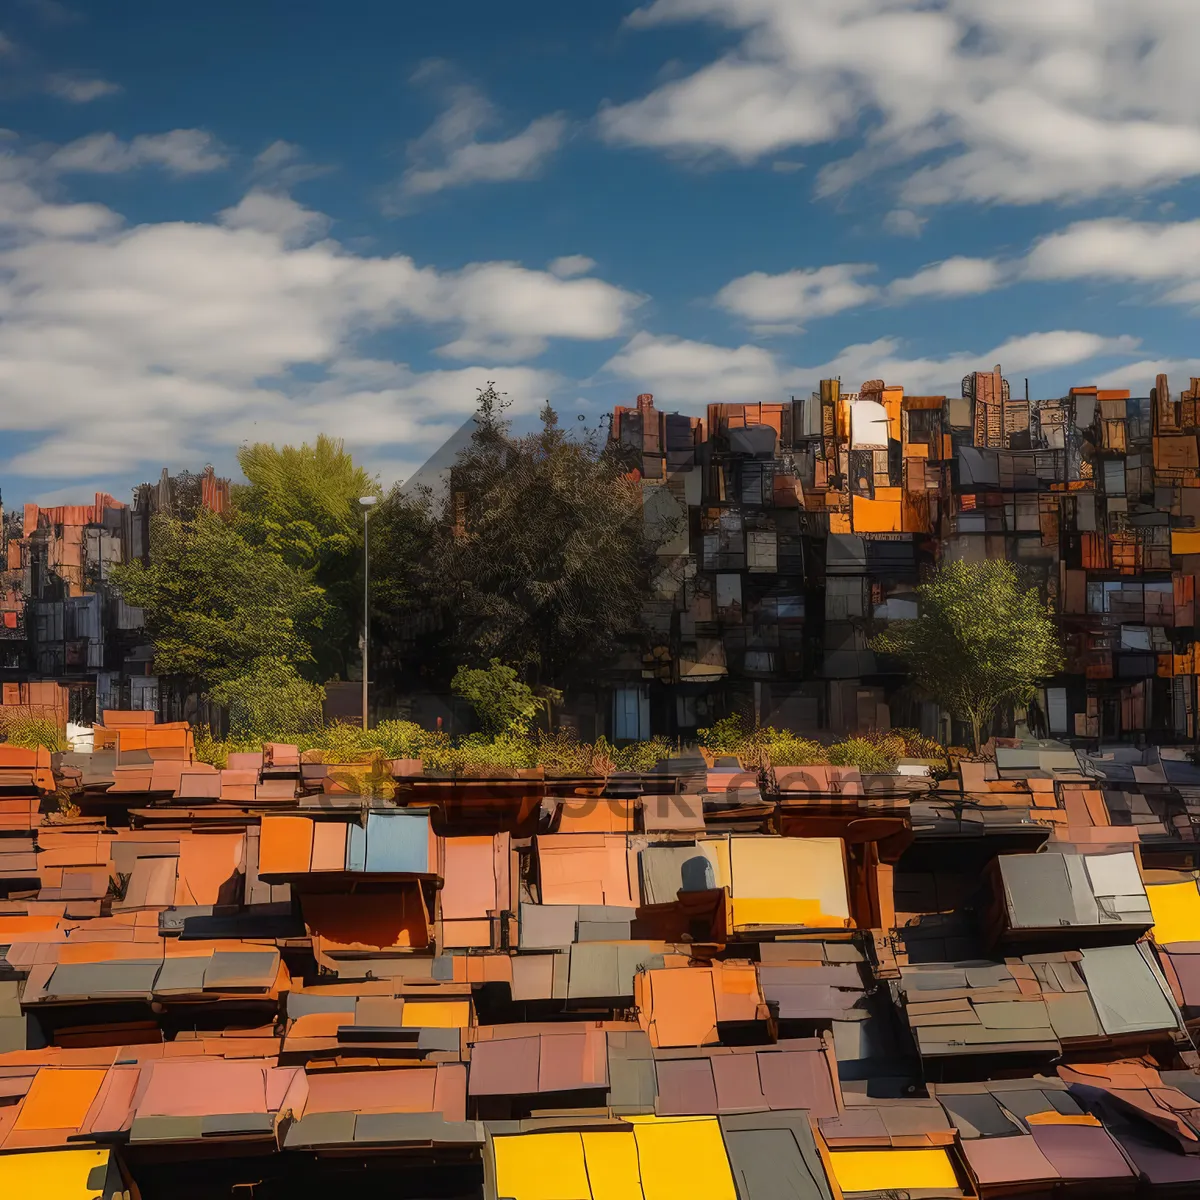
(793, 531)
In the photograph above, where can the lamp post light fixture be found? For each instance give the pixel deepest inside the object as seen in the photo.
(367, 502)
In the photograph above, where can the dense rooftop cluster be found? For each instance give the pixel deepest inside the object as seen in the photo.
(962, 978)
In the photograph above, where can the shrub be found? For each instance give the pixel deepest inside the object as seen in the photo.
(271, 701)
(501, 701)
(913, 742)
(562, 753)
(729, 735)
(32, 733)
(787, 750)
(868, 756)
(637, 756)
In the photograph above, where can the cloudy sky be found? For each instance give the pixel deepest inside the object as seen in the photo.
(262, 221)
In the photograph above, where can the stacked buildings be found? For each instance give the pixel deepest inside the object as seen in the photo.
(789, 533)
(61, 620)
(793, 531)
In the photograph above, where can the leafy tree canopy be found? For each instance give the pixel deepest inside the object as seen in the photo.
(301, 503)
(980, 640)
(214, 604)
(501, 701)
(270, 701)
(540, 557)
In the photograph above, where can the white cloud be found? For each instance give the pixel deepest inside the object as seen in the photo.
(451, 152)
(745, 109)
(509, 312)
(903, 222)
(80, 89)
(1121, 249)
(781, 302)
(174, 341)
(180, 152)
(689, 373)
(1018, 101)
(274, 212)
(283, 165)
(1139, 377)
(954, 277)
(568, 265)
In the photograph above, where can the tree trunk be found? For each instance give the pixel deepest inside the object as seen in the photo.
(975, 726)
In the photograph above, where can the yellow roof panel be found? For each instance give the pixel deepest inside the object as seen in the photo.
(877, 1170)
(770, 868)
(612, 1166)
(1176, 909)
(683, 1160)
(436, 1014)
(53, 1174)
(541, 1166)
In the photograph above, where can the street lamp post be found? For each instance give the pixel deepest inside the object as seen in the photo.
(367, 503)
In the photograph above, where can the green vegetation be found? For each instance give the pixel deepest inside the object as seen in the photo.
(876, 752)
(361, 754)
(980, 641)
(301, 505)
(32, 733)
(540, 558)
(501, 701)
(214, 603)
(270, 697)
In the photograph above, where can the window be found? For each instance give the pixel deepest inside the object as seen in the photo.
(729, 592)
(759, 661)
(1114, 476)
(143, 692)
(631, 714)
(761, 554)
(758, 483)
(789, 608)
(1135, 637)
(1056, 709)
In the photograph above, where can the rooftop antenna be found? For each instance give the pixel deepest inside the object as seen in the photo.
(1026, 389)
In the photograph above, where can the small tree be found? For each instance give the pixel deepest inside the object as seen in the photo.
(980, 641)
(270, 701)
(501, 701)
(301, 504)
(214, 604)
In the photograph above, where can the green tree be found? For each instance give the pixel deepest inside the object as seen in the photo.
(214, 604)
(540, 557)
(411, 625)
(271, 701)
(501, 701)
(980, 640)
(301, 503)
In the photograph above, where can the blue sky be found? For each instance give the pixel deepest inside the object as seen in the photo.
(269, 220)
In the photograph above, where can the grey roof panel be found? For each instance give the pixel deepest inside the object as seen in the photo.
(321, 1129)
(415, 1127)
(977, 1115)
(128, 977)
(233, 969)
(593, 971)
(1038, 890)
(667, 870)
(1072, 1015)
(166, 1129)
(773, 1157)
(548, 926)
(1127, 996)
(182, 974)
